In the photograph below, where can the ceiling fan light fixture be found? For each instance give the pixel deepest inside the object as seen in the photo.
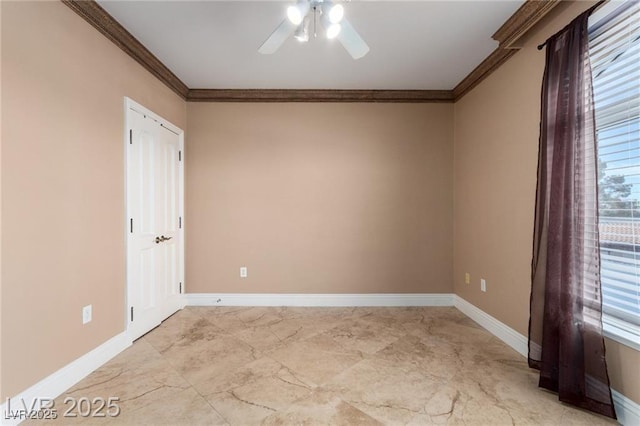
(328, 15)
(298, 12)
(335, 12)
(302, 32)
(333, 30)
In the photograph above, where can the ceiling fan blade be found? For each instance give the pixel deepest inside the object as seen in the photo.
(277, 38)
(352, 41)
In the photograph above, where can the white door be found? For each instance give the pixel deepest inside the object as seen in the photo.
(154, 213)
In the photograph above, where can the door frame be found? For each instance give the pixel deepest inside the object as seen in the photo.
(130, 104)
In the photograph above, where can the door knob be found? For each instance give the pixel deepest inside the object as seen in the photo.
(162, 239)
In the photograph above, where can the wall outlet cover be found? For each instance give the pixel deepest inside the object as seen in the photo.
(483, 284)
(86, 314)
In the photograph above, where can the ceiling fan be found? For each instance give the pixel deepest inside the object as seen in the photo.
(305, 13)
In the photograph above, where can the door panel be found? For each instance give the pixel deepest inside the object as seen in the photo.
(143, 158)
(173, 280)
(170, 145)
(148, 295)
(154, 194)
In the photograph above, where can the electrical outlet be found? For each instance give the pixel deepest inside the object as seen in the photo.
(243, 272)
(483, 284)
(86, 314)
(467, 278)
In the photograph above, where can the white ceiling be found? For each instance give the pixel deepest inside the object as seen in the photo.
(414, 44)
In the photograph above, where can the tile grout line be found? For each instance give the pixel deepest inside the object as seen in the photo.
(171, 366)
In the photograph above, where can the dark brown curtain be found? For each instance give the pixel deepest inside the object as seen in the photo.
(565, 326)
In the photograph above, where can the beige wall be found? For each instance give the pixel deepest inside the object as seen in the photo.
(63, 247)
(495, 161)
(319, 198)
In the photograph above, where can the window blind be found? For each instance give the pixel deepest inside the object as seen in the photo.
(615, 62)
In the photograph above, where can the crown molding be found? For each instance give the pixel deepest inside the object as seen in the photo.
(482, 71)
(530, 13)
(95, 15)
(521, 21)
(288, 95)
(511, 31)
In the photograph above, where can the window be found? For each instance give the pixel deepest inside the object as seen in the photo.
(615, 62)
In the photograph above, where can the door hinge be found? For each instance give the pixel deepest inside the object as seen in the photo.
(179, 155)
(180, 222)
(130, 136)
(180, 288)
(132, 314)
(131, 225)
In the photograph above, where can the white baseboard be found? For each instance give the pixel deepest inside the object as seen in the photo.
(627, 410)
(503, 332)
(335, 300)
(58, 382)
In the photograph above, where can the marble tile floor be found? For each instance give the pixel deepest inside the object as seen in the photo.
(317, 366)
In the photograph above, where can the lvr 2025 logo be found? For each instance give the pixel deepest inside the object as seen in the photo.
(37, 409)
(44, 408)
